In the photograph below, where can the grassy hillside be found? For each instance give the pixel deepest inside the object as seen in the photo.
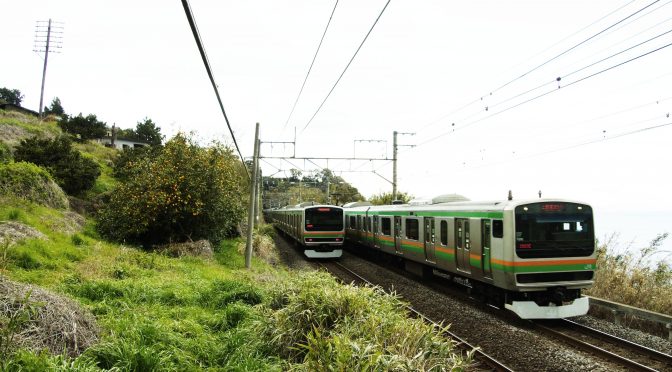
(150, 311)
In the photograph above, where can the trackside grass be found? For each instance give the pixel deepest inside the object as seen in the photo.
(161, 313)
(634, 278)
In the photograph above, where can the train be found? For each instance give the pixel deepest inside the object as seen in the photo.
(319, 230)
(532, 257)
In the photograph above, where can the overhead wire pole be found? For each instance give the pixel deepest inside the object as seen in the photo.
(201, 49)
(39, 34)
(394, 160)
(253, 192)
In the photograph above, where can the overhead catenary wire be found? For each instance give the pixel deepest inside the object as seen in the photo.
(311, 65)
(545, 94)
(201, 49)
(575, 46)
(346, 67)
(549, 60)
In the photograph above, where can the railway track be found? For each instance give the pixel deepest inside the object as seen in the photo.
(628, 354)
(486, 362)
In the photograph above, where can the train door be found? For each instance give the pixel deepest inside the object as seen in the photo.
(462, 244)
(430, 239)
(375, 231)
(486, 228)
(397, 234)
(360, 227)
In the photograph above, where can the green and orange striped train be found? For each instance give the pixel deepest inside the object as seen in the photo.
(532, 257)
(318, 229)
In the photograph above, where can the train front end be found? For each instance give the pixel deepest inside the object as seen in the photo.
(323, 231)
(554, 258)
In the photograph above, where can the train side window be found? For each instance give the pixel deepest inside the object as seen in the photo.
(497, 228)
(444, 232)
(386, 226)
(412, 229)
(353, 222)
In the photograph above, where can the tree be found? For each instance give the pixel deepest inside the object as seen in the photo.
(385, 198)
(84, 128)
(55, 108)
(12, 96)
(147, 131)
(73, 172)
(185, 192)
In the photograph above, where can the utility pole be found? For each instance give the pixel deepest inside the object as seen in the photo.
(253, 191)
(42, 43)
(394, 160)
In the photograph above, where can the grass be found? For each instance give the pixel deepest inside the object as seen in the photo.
(639, 278)
(189, 313)
(29, 125)
(104, 157)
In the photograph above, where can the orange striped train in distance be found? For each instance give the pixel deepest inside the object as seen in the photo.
(317, 229)
(532, 257)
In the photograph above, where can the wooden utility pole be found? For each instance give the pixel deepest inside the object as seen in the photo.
(44, 43)
(253, 192)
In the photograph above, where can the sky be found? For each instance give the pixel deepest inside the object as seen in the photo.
(476, 82)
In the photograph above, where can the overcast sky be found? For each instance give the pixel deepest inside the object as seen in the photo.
(475, 80)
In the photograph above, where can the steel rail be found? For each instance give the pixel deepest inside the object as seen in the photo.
(630, 364)
(655, 354)
(461, 343)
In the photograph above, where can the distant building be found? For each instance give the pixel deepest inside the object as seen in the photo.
(121, 143)
(12, 107)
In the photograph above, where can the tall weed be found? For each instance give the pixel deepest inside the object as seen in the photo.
(634, 277)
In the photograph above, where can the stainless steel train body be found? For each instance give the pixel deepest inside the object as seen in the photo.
(533, 257)
(318, 229)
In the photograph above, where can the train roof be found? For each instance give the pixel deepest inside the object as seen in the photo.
(306, 205)
(489, 206)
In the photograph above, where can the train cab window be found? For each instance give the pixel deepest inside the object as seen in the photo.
(497, 228)
(444, 232)
(412, 229)
(386, 226)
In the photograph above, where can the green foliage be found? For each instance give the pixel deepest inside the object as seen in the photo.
(185, 193)
(313, 320)
(125, 166)
(30, 182)
(385, 198)
(84, 127)
(55, 108)
(73, 172)
(5, 153)
(12, 96)
(147, 131)
(634, 278)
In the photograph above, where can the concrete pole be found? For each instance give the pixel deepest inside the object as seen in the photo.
(253, 190)
(394, 165)
(257, 207)
(44, 70)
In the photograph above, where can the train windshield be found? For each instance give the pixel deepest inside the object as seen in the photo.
(554, 230)
(324, 219)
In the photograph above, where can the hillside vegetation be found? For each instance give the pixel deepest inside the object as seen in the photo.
(70, 300)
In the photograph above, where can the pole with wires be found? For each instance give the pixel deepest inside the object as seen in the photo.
(253, 192)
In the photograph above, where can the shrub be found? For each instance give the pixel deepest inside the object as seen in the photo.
(632, 278)
(127, 162)
(5, 153)
(84, 127)
(73, 172)
(30, 182)
(186, 192)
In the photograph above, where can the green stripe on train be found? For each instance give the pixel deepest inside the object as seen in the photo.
(432, 214)
(532, 269)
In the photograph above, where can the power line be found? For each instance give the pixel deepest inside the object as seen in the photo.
(311, 65)
(548, 61)
(201, 49)
(575, 46)
(546, 93)
(346, 67)
(624, 134)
